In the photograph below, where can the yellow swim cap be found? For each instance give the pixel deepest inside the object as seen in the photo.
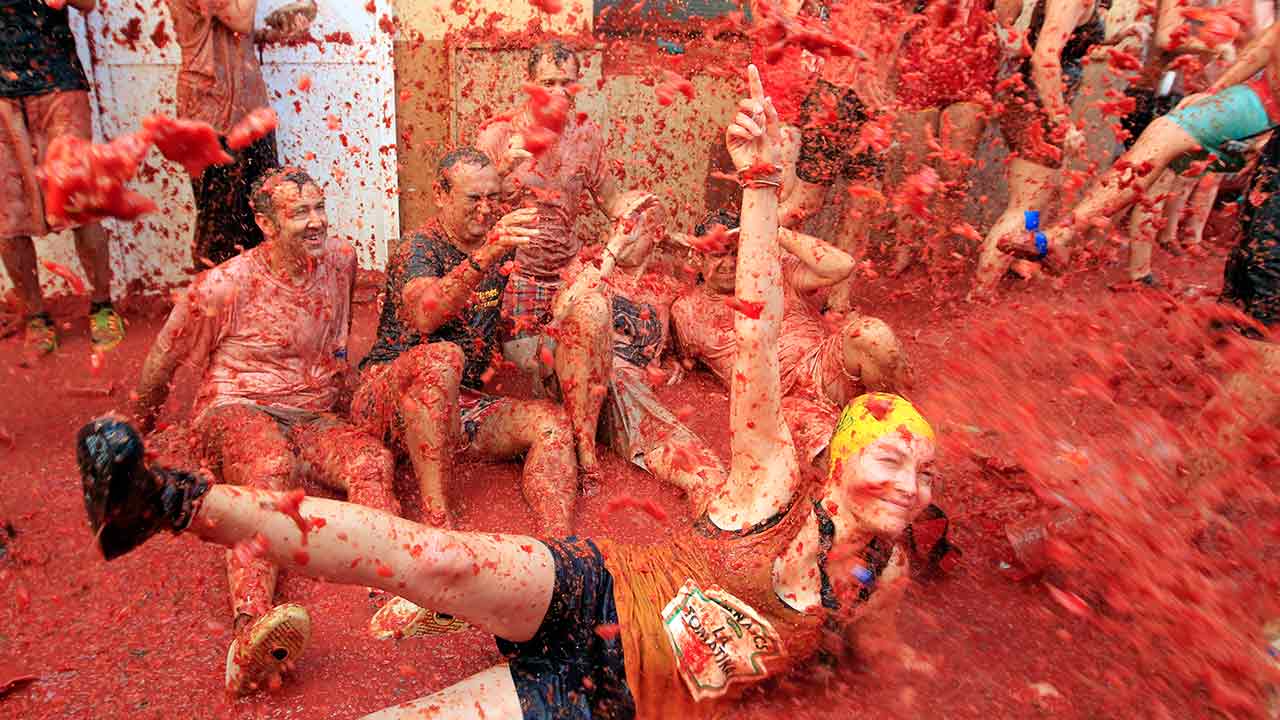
(867, 418)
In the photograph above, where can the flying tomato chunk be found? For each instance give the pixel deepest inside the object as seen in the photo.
(190, 143)
(255, 126)
(84, 182)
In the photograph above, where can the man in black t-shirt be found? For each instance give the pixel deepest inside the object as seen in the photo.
(420, 385)
(44, 95)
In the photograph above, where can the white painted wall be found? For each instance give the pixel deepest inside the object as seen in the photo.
(353, 82)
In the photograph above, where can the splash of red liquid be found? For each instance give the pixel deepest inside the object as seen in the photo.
(745, 307)
(775, 31)
(551, 7)
(673, 84)
(255, 126)
(191, 143)
(289, 503)
(83, 182)
(646, 506)
(550, 112)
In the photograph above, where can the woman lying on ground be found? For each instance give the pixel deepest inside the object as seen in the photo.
(600, 629)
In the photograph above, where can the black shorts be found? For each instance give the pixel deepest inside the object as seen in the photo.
(223, 216)
(568, 670)
(1252, 276)
(827, 149)
(1148, 107)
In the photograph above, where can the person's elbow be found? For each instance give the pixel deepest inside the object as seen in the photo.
(838, 268)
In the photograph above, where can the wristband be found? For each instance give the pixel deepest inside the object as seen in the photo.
(1042, 245)
(767, 173)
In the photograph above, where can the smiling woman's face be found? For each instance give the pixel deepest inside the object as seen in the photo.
(889, 482)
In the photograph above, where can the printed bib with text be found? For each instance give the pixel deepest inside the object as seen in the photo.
(718, 640)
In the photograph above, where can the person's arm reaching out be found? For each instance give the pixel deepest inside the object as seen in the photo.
(1254, 57)
(188, 331)
(764, 473)
(822, 265)
(431, 301)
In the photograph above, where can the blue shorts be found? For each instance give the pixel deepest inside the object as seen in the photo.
(1234, 113)
(569, 671)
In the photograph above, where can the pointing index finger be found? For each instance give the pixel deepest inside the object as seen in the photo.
(754, 84)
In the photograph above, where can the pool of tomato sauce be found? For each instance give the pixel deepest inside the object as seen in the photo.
(146, 636)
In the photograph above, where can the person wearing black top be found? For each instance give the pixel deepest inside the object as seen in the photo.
(421, 383)
(44, 95)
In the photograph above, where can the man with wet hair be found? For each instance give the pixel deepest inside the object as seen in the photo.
(44, 94)
(267, 332)
(560, 177)
(422, 383)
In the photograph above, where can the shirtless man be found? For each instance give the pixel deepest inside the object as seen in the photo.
(44, 94)
(559, 182)
(268, 330)
(420, 385)
(821, 370)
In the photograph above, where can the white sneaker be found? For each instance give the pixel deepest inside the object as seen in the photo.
(263, 651)
(400, 618)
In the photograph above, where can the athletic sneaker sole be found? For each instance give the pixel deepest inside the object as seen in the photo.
(274, 641)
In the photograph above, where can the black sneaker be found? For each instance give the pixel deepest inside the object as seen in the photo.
(127, 501)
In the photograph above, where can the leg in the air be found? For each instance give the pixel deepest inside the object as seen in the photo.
(501, 583)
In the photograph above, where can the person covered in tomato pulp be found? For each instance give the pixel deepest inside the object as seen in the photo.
(220, 82)
(267, 332)
(603, 629)
(553, 159)
(44, 95)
